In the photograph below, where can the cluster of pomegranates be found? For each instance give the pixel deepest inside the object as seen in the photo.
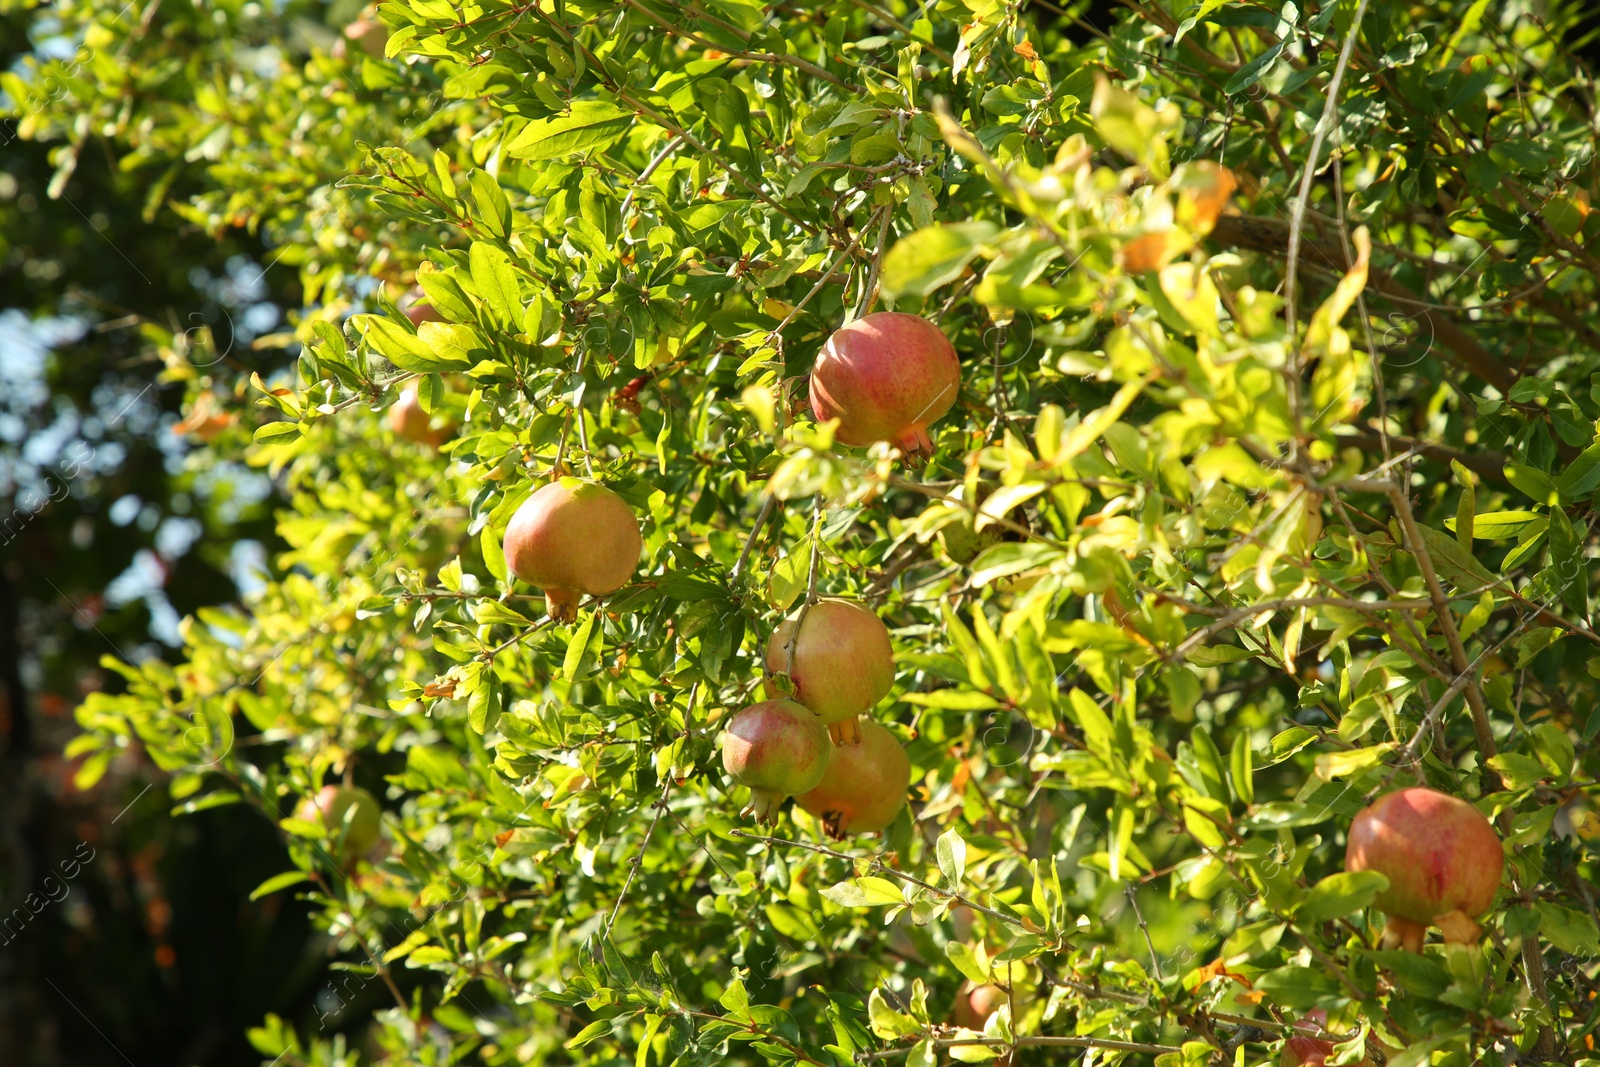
(838, 659)
(885, 377)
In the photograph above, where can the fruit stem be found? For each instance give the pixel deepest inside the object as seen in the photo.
(1404, 934)
(811, 590)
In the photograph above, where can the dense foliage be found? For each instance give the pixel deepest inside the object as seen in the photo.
(1267, 491)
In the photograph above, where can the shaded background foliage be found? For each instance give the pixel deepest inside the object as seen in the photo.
(228, 192)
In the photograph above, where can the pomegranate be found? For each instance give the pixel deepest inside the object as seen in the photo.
(1442, 858)
(1302, 1050)
(422, 312)
(350, 815)
(864, 787)
(573, 537)
(778, 748)
(975, 1003)
(842, 663)
(886, 377)
(408, 420)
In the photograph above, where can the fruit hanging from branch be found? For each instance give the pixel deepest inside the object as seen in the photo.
(864, 787)
(409, 421)
(570, 538)
(351, 817)
(779, 749)
(887, 376)
(1443, 860)
(841, 663)
(975, 1003)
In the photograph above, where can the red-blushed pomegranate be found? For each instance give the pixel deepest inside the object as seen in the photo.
(408, 420)
(1303, 1050)
(350, 815)
(864, 787)
(886, 377)
(570, 538)
(842, 663)
(1442, 858)
(975, 1003)
(422, 312)
(778, 748)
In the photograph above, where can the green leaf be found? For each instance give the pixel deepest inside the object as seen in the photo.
(579, 644)
(927, 259)
(403, 348)
(967, 962)
(1582, 475)
(277, 882)
(1338, 895)
(1533, 482)
(1518, 771)
(275, 431)
(1570, 931)
(496, 281)
(952, 854)
(864, 893)
(885, 1021)
(1494, 524)
(591, 126)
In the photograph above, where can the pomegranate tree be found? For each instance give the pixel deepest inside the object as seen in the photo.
(886, 377)
(778, 748)
(570, 538)
(350, 815)
(841, 663)
(1442, 858)
(864, 787)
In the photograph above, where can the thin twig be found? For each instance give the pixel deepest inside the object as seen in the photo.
(1297, 216)
(749, 542)
(644, 175)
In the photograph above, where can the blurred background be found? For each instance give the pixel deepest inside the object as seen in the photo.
(126, 934)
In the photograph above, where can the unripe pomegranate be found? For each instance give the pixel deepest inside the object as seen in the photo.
(350, 815)
(573, 537)
(1442, 858)
(1303, 1050)
(975, 1003)
(778, 748)
(864, 787)
(408, 420)
(886, 377)
(842, 663)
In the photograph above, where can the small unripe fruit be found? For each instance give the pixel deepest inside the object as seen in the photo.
(570, 538)
(864, 787)
(350, 815)
(886, 377)
(778, 748)
(1443, 860)
(842, 663)
(408, 420)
